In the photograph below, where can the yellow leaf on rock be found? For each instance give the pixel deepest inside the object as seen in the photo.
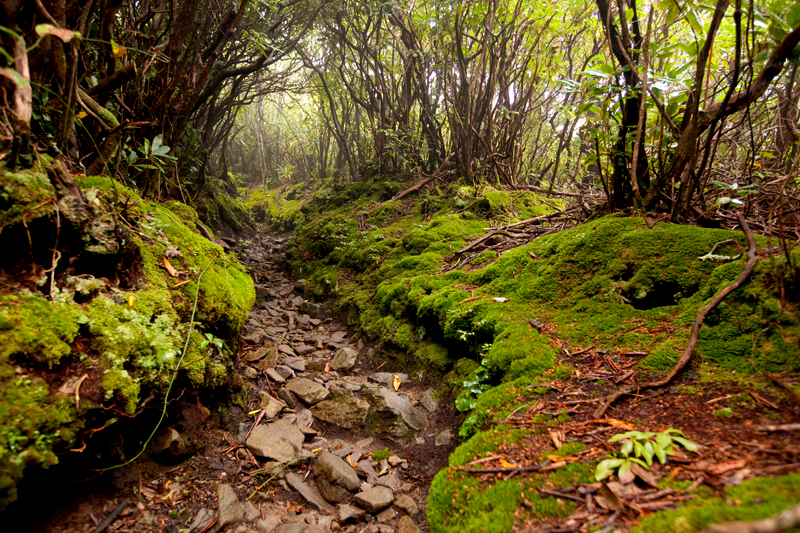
(396, 382)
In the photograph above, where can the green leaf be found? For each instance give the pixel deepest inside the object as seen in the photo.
(686, 443)
(638, 448)
(793, 17)
(724, 200)
(627, 448)
(691, 16)
(156, 142)
(161, 150)
(661, 454)
(606, 468)
(763, 55)
(15, 76)
(648, 452)
(663, 441)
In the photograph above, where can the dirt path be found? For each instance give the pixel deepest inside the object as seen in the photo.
(333, 437)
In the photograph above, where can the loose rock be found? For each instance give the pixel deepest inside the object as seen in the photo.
(230, 510)
(344, 359)
(343, 409)
(348, 512)
(375, 499)
(279, 440)
(428, 401)
(392, 413)
(407, 504)
(308, 492)
(308, 391)
(406, 525)
(335, 478)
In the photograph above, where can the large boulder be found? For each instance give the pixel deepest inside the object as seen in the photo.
(342, 408)
(391, 413)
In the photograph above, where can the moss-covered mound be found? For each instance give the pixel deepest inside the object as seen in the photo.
(618, 283)
(89, 330)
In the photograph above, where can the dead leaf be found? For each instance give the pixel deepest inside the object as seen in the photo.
(644, 474)
(48, 29)
(170, 268)
(350, 461)
(562, 458)
(506, 464)
(294, 508)
(606, 499)
(616, 423)
(327, 367)
(396, 382)
(626, 476)
(722, 468)
(558, 438)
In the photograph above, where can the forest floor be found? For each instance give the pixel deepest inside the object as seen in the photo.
(317, 389)
(288, 344)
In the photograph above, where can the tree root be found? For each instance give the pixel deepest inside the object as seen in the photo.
(687, 353)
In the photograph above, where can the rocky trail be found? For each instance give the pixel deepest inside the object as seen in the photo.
(333, 437)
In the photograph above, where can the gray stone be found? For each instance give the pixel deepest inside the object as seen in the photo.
(344, 359)
(386, 378)
(300, 285)
(295, 363)
(230, 510)
(318, 528)
(348, 512)
(279, 440)
(201, 519)
(395, 461)
(304, 349)
(294, 527)
(386, 516)
(275, 376)
(269, 360)
(308, 492)
(444, 438)
(308, 391)
(304, 418)
(269, 524)
(288, 397)
(263, 294)
(270, 405)
(297, 301)
(391, 481)
(258, 354)
(325, 521)
(286, 372)
(335, 478)
(146, 521)
(250, 513)
(343, 409)
(428, 401)
(365, 468)
(310, 308)
(375, 499)
(406, 525)
(250, 372)
(392, 413)
(169, 446)
(407, 504)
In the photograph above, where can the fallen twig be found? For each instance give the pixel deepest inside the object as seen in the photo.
(110, 518)
(779, 427)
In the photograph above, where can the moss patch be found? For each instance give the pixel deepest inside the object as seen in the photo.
(125, 329)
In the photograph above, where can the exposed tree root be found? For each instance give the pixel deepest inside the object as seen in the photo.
(687, 353)
(438, 174)
(784, 521)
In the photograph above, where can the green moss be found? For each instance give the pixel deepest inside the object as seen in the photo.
(130, 339)
(380, 455)
(38, 329)
(23, 194)
(755, 499)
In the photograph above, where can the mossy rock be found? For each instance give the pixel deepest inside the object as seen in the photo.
(125, 330)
